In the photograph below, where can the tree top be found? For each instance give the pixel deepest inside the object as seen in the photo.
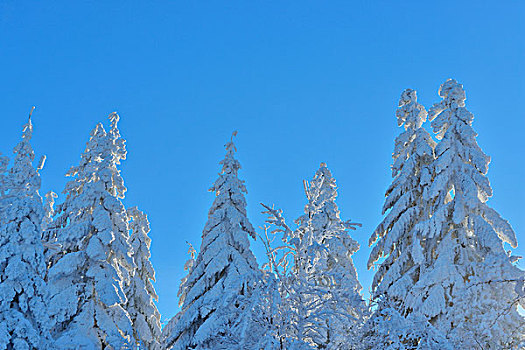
(453, 91)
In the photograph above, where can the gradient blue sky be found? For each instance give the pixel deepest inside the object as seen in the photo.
(302, 82)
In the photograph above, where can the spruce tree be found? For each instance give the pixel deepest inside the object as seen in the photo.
(400, 239)
(468, 287)
(141, 306)
(218, 288)
(341, 308)
(23, 312)
(87, 278)
(398, 236)
(321, 292)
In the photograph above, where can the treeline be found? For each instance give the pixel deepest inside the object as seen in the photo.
(78, 275)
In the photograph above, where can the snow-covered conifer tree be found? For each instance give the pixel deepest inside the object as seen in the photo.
(330, 266)
(141, 306)
(321, 291)
(88, 277)
(23, 313)
(398, 236)
(400, 239)
(219, 285)
(468, 287)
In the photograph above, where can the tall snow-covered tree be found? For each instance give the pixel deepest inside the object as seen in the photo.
(468, 287)
(330, 266)
(321, 290)
(88, 277)
(400, 239)
(218, 288)
(141, 306)
(23, 312)
(398, 236)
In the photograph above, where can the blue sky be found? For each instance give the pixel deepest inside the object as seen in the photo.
(302, 82)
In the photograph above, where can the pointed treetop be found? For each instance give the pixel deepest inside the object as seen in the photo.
(191, 250)
(28, 128)
(325, 187)
(323, 180)
(230, 165)
(114, 118)
(324, 176)
(117, 139)
(230, 146)
(320, 190)
(26, 177)
(453, 91)
(27, 131)
(410, 112)
(98, 131)
(408, 96)
(453, 96)
(91, 153)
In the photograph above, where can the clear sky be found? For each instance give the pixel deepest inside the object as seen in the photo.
(302, 81)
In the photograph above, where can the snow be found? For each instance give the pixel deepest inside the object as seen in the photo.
(95, 255)
(23, 310)
(141, 294)
(78, 274)
(216, 294)
(400, 237)
(321, 302)
(457, 290)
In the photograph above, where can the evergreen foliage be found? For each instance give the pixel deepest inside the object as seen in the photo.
(322, 304)
(80, 276)
(217, 291)
(468, 287)
(399, 237)
(23, 312)
(88, 276)
(141, 306)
